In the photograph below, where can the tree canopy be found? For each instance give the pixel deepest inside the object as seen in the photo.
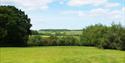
(101, 36)
(14, 26)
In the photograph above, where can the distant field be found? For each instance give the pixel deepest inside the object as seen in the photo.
(71, 32)
(60, 54)
(63, 33)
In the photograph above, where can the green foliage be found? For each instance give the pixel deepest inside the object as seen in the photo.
(14, 26)
(35, 41)
(34, 32)
(104, 37)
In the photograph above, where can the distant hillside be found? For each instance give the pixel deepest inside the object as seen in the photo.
(59, 30)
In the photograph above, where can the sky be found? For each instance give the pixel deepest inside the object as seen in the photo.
(70, 14)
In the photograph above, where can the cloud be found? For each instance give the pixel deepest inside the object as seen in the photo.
(85, 2)
(123, 9)
(110, 5)
(69, 12)
(92, 13)
(99, 13)
(123, 12)
(103, 9)
(103, 3)
(29, 4)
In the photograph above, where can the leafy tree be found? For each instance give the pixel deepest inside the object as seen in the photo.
(101, 36)
(14, 26)
(35, 32)
(35, 40)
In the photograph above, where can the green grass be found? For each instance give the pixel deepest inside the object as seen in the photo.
(60, 54)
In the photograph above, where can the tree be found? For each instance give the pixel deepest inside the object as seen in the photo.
(107, 37)
(14, 26)
(35, 40)
(35, 32)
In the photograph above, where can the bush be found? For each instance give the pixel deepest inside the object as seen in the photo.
(104, 37)
(35, 41)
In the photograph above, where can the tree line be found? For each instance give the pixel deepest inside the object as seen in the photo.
(98, 35)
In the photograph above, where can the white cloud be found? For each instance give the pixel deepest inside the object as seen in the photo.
(117, 14)
(123, 12)
(105, 11)
(123, 9)
(85, 2)
(30, 4)
(103, 3)
(100, 13)
(92, 13)
(5, 0)
(71, 12)
(110, 5)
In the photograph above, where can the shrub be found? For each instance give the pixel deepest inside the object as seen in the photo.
(35, 41)
(101, 36)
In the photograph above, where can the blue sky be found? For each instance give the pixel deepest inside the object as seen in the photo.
(70, 14)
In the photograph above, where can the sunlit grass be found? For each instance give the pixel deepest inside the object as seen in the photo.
(60, 54)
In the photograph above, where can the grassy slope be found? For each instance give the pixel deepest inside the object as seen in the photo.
(62, 54)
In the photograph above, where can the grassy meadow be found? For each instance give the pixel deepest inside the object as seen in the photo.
(60, 54)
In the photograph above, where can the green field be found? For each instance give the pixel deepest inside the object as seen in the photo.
(60, 54)
(71, 32)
